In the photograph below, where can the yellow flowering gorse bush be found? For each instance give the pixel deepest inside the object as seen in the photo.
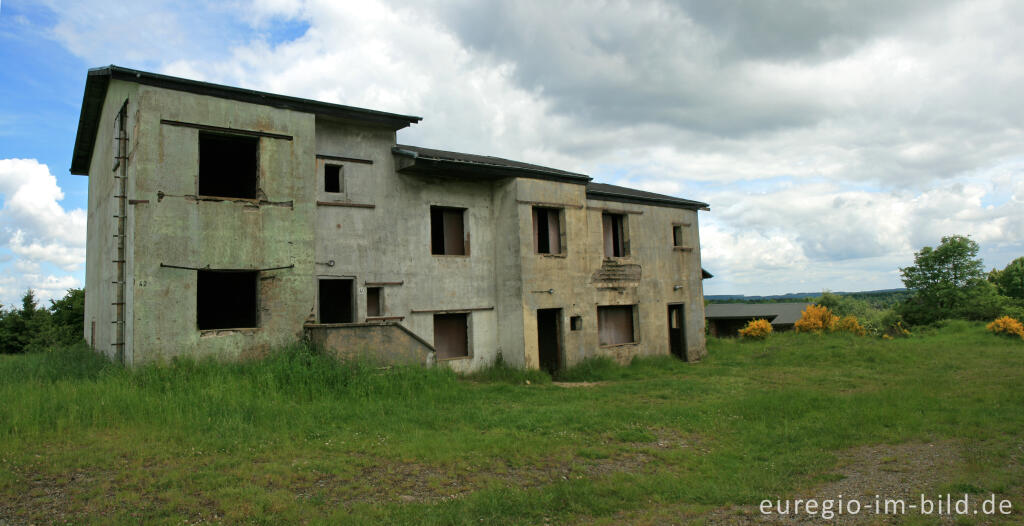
(1006, 325)
(756, 329)
(851, 325)
(816, 318)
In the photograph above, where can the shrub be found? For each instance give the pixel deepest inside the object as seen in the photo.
(756, 330)
(851, 325)
(1007, 326)
(817, 319)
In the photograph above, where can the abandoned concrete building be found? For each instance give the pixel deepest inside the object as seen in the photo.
(226, 222)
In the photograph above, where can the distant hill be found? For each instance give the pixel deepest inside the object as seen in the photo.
(884, 296)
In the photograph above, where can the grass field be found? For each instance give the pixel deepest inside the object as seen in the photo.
(300, 438)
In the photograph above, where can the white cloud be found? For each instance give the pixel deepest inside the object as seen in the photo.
(760, 243)
(38, 230)
(44, 287)
(832, 140)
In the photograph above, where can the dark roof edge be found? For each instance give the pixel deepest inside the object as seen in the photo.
(426, 164)
(96, 84)
(644, 200)
(394, 120)
(98, 79)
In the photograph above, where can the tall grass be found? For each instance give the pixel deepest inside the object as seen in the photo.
(75, 388)
(292, 437)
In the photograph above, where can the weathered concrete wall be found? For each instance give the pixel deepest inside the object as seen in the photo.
(668, 276)
(377, 230)
(391, 241)
(101, 245)
(564, 274)
(384, 342)
(508, 282)
(177, 228)
(652, 276)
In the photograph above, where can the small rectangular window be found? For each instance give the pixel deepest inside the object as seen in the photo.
(547, 231)
(228, 165)
(576, 323)
(336, 301)
(614, 226)
(677, 235)
(451, 335)
(615, 324)
(373, 301)
(447, 231)
(333, 182)
(226, 300)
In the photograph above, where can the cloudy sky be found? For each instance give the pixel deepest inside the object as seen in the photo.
(832, 139)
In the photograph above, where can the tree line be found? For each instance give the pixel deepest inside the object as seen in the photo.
(33, 327)
(948, 281)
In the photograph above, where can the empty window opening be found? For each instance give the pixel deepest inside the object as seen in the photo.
(336, 301)
(374, 297)
(576, 323)
(615, 324)
(226, 300)
(228, 165)
(547, 232)
(549, 339)
(332, 178)
(614, 235)
(447, 231)
(677, 235)
(451, 335)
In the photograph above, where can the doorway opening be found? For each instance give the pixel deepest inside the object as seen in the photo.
(337, 301)
(677, 331)
(549, 337)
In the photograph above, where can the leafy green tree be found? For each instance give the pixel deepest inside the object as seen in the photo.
(68, 317)
(1010, 280)
(948, 282)
(33, 329)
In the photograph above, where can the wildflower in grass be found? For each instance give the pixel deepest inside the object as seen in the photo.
(816, 319)
(756, 330)
(851, 325)
(1006, 326)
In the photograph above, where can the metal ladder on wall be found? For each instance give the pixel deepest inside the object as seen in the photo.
(121, 196)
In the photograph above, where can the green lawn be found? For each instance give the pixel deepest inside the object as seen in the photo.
(299, 438)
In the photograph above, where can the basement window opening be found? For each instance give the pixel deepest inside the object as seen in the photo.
(447, 231)
(615, 324)
(333, 178)
(226, 300)
(451, 335)
(228, 165)
(336, 297)
(615, 243)
(547, 231)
